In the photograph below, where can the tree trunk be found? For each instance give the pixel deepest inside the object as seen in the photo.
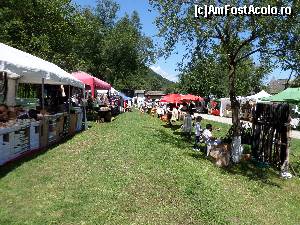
(236, 147)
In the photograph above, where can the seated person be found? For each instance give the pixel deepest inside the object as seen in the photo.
(3, 113)
(209, 139)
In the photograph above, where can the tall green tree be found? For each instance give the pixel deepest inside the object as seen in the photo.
(125, 53)
(43, 28)
(106, 12)
(89, 39)
(238, 37)
(206, 75)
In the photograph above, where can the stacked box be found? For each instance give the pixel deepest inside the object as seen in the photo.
(44, 132)
(59, 127)
(52, 130)
(3, 152)
(6, 147)
(79, 120)
(73, 122)
(22, 137)
(21, 143)
(34, 135)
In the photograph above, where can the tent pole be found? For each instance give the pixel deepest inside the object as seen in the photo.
(69, 100)
(84, 108)
(43, 96)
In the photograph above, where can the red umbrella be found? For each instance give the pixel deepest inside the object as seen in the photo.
(172, 98)
(190, 97)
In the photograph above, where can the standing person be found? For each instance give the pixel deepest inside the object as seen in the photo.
(198, 133)
(169, 114)
(174, 115)
(187, 125)
(159, 112)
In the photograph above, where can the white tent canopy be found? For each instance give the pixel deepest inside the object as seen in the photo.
(31, 69)
(258, 96)
(112, 90)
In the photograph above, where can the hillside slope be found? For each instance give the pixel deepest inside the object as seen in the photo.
(154, 81)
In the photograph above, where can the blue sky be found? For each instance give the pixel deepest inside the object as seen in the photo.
(168, 67)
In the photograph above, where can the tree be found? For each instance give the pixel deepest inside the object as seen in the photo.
(238, 37)
(125, 53)
(75, 38)
(106, 12)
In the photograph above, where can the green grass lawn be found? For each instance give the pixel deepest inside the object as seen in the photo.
(137, 171)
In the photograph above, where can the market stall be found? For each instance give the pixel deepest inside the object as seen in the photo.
(291, 96)
(246, 104)
(258, 96)
(127, 102)
(214, 107)
(27, 127)
(93, 83)
(98, 106)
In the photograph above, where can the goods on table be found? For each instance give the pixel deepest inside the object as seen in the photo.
(14, 139)
(22, 135)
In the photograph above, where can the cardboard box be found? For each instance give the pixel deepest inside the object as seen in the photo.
(73, 122)
(221, 154)
(44, 128)
(60, 127)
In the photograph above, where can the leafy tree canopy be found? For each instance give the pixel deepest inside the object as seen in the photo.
(89, 39)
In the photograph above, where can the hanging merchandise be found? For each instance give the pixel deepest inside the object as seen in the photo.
(270, 134)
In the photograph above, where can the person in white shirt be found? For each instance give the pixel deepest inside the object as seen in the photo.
(209, 139)
(174, 115)
(198, 133)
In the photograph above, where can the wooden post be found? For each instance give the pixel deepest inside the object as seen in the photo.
(84, 108)
(69, 111)
(43, 96)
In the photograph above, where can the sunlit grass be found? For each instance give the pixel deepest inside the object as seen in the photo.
(137, 171)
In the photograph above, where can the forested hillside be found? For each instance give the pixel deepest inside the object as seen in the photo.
(154, 81)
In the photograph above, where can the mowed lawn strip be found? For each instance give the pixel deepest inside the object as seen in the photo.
(135, 170)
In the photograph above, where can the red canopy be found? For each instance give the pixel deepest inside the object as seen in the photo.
(172, 98)
(93, 82)
(190, 97)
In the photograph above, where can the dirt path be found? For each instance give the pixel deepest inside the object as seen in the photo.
(295, 134)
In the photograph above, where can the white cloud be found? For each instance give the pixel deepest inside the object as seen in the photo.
(160, 71)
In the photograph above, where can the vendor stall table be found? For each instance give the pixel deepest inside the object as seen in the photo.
(14, 140)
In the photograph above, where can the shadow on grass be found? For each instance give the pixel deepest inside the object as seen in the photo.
(295, 166)
(252, 171)
(28, 156)
(265, 176)
(165, 137)
(173, 127)
(247, 169)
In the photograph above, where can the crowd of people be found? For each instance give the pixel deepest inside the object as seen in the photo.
(191, 120)
(107, 105)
